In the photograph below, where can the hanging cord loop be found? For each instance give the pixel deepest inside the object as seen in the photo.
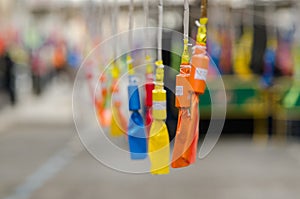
(159, 83)
(146, 21)
(130, 40)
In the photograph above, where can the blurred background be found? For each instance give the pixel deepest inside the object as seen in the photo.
(254, 44)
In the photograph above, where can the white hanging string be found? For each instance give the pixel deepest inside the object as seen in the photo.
(88, 14)
(114, 26)
(146, 11)
(160, 25)
(186, 20)
(131, 9)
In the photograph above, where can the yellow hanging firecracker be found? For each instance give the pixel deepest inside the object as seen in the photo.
(118, 121)
(158, 147)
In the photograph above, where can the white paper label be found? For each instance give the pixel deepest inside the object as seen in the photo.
(179, 91)
(157, 105)
(200, 74)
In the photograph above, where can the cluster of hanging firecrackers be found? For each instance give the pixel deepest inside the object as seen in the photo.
(106, 116)
(190, 83)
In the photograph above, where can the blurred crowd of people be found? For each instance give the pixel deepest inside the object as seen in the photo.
(43, 57)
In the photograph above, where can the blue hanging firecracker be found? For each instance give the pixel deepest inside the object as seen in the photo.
(136, 130)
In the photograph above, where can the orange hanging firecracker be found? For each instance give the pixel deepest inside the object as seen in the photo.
(197, 79)
(103, 110)
(184, 137)
(104, 114)
(189, 84)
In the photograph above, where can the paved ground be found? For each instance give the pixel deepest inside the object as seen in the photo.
(41, 158)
